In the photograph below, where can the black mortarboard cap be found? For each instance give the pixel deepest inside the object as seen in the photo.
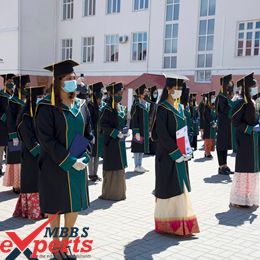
(249, 80)
(7, 76)
(225, 80)
(114, 88)
(36, 90)
(140, 90)
(255, 97)
(97, 87)
(21, 80)
(62, 68)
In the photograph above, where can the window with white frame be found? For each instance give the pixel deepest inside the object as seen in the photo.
(112, 48)
(89, 7)
(205, 40)
(66, 49)
(67, 9)
(139, 46)
(113, 6)
(248, 38)
(140, 4)
(171, 34)
(88, 49)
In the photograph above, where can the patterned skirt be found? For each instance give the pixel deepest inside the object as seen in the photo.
(12, 176)
(209, 145)
(28, 206)
(245, 189)
(176, 216)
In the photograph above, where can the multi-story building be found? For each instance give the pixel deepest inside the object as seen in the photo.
(119, 40)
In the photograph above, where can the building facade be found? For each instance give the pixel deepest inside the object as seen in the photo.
(119, 40)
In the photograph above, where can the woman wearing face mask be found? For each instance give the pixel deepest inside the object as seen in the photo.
(173, 210)
(5, 94)
(224, 110)
(210, 125)
(28, 204)
(153, 107)
(140, 128)
(93, 105)
(194, 120)
(114, 161)
(16, 104)
(245, 185)
(62, 122)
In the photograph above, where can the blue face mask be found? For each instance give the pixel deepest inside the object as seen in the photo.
(70, 86)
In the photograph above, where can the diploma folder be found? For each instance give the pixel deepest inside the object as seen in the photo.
(79, 146)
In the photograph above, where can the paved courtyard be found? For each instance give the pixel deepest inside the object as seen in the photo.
(125, 230)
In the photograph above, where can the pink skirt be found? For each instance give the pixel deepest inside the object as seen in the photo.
(28, 206)
(176, 216)
(12, 176)
(245, 189)
(209, 145)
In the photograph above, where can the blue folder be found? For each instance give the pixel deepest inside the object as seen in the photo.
(79, 146)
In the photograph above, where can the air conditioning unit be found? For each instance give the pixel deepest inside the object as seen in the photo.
(123, 39)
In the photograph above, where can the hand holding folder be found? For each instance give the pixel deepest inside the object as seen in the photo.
(79, 146)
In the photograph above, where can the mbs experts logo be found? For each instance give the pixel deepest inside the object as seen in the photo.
(78, 243)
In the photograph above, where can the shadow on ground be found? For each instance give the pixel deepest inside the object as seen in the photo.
(15, 223)
(151, 244)
(7, 195)
(131, 174)
(225, 179)
(235, 217)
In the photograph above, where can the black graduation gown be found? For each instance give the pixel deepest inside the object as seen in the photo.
(223, 109)
(14, 108)
(61, 187)
(152, 112)
(94, 114)
(248, 154)
(201, 114)
(114, 158)
(170, 176)
(209, 121)
(29, 155)
(4, 98)
(140, 124)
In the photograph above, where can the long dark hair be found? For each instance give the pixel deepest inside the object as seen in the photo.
(165, 94)
(26, 108)
(250, 112)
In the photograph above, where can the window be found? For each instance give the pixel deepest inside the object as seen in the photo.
(112, 48)
(205, 40)
(171, 34)
(248, 42)
(88, 50)
(140, 4)
(139, 46)
(113, 6)
(89, 7)
(67, 9)
(66, 50)
(207, 7)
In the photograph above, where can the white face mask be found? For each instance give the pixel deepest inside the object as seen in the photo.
(213, 100)
(176, 94)
(254, 91)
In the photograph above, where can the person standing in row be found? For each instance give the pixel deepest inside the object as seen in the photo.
(62, 123)
(210, 125)
(5, 95)
(112, 123)
(245, 185)
(140, 129)
(173, 209)
(94, 109)
(12, 176)
(202, 105)
(194, 120)
(28, 204)
(224, 110)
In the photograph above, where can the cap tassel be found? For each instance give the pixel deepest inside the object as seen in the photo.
(20, 89)
(244, 85)
(113, 98)
(52, 90)
(31, 110)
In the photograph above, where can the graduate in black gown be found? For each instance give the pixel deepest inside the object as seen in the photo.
(16, 103)
(63, 121)
(201, 113)
(194, 119)
(173, 209)
(5, 94)
(28, 204)
(114, 161)
(94, 109)
(224, 110)
(245, 185)
(140, 128)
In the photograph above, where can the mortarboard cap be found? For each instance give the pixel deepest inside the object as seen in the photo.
(7, 76)
(97, 87)
(225, 80)
(249, 80)
(255, 97)
(173, 80)
(140, 90)
(21, 81)
(62, 68)
(114, 87)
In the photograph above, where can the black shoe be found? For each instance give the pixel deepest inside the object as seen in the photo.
(223, 171)
(228, 170)
(70, 256)
(209, 156)
(16, 191)
(1, 173)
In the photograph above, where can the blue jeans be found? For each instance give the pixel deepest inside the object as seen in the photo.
(138, 157)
